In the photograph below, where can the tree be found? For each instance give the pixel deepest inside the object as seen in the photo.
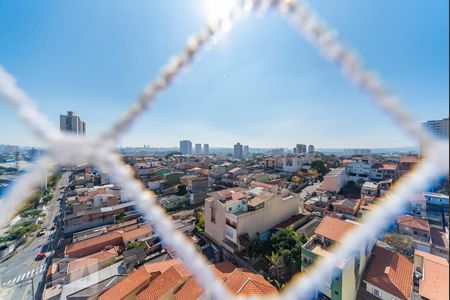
(319, 166)
(168, 155)
(283, 239)
(200, 223)
(400, 243)
(303, 239)
(182, 190)
(296, 179)
(351, 189)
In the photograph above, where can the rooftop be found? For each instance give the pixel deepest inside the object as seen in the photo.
(414, 222)
(335, 229)
(95, 258)
(391, 272)
(434, 284)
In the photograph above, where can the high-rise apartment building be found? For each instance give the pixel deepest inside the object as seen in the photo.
(72, 123)
(246, 151)
(300, 148)
(311, 149)
(438, 128)
(186, 147)
(206, 148)
(198, 148)
(238, 151)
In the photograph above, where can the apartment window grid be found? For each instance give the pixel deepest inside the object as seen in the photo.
(100, 151)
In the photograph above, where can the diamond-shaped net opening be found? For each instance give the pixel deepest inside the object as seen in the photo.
(99, 151)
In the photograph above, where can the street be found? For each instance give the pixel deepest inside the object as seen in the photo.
(21, 274)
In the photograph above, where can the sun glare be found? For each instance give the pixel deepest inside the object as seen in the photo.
(217, 9)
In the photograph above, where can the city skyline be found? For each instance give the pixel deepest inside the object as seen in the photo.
(292, 106)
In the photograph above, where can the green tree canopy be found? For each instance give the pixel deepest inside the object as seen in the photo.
(319, 166)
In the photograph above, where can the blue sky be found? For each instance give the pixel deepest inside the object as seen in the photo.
(261, 84)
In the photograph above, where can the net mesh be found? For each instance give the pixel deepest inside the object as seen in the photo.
(66, 149)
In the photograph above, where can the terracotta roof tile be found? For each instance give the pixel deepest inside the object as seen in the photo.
(174, 275)
(164, 283)
(391, 272)
(243, 283)
(435, 277)
(92, 259)
(91, 242)
(136, 233)
(191, 290)
(126, 286)
(334, 229)
(413, 222)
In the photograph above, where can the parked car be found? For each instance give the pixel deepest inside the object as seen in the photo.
(41, 233)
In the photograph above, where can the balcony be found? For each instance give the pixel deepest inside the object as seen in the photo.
(231, 234)
(317, 246)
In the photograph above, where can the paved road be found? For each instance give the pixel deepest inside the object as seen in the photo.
(21, 273)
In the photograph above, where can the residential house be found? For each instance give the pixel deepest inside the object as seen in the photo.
(431, 277)
(415, 227)
(384, 171)
(295, 162)
(172, 280)
(347, 207)
(348, 274)
(333, 181)
(389, 275)
(439, 242)
(82, 267)
(234, 212)
(370, 189)
(120, 238)
(197, 189)
(360, 169)
(407, 163)
(235, 172)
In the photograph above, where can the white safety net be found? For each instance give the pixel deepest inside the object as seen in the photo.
(100, 151)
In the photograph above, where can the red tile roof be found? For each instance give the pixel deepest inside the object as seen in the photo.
(162, 284)
(391, 272)
(92, 242)
(413, 222)
(434, 284)
(92, 259)
(334, 229)
(129, 235)
(126, 286)
(191, 290)
(242, 283)
(174, 277)
(137, 279)
(113, 238)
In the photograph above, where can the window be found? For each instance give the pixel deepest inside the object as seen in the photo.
(229, 208)
(376, 292)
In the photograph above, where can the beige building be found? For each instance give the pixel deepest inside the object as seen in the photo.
(235, 212)
(333, 181)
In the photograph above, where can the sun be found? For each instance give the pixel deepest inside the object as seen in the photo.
(217, 9)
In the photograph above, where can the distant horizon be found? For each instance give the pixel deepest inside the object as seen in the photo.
(231, 147)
